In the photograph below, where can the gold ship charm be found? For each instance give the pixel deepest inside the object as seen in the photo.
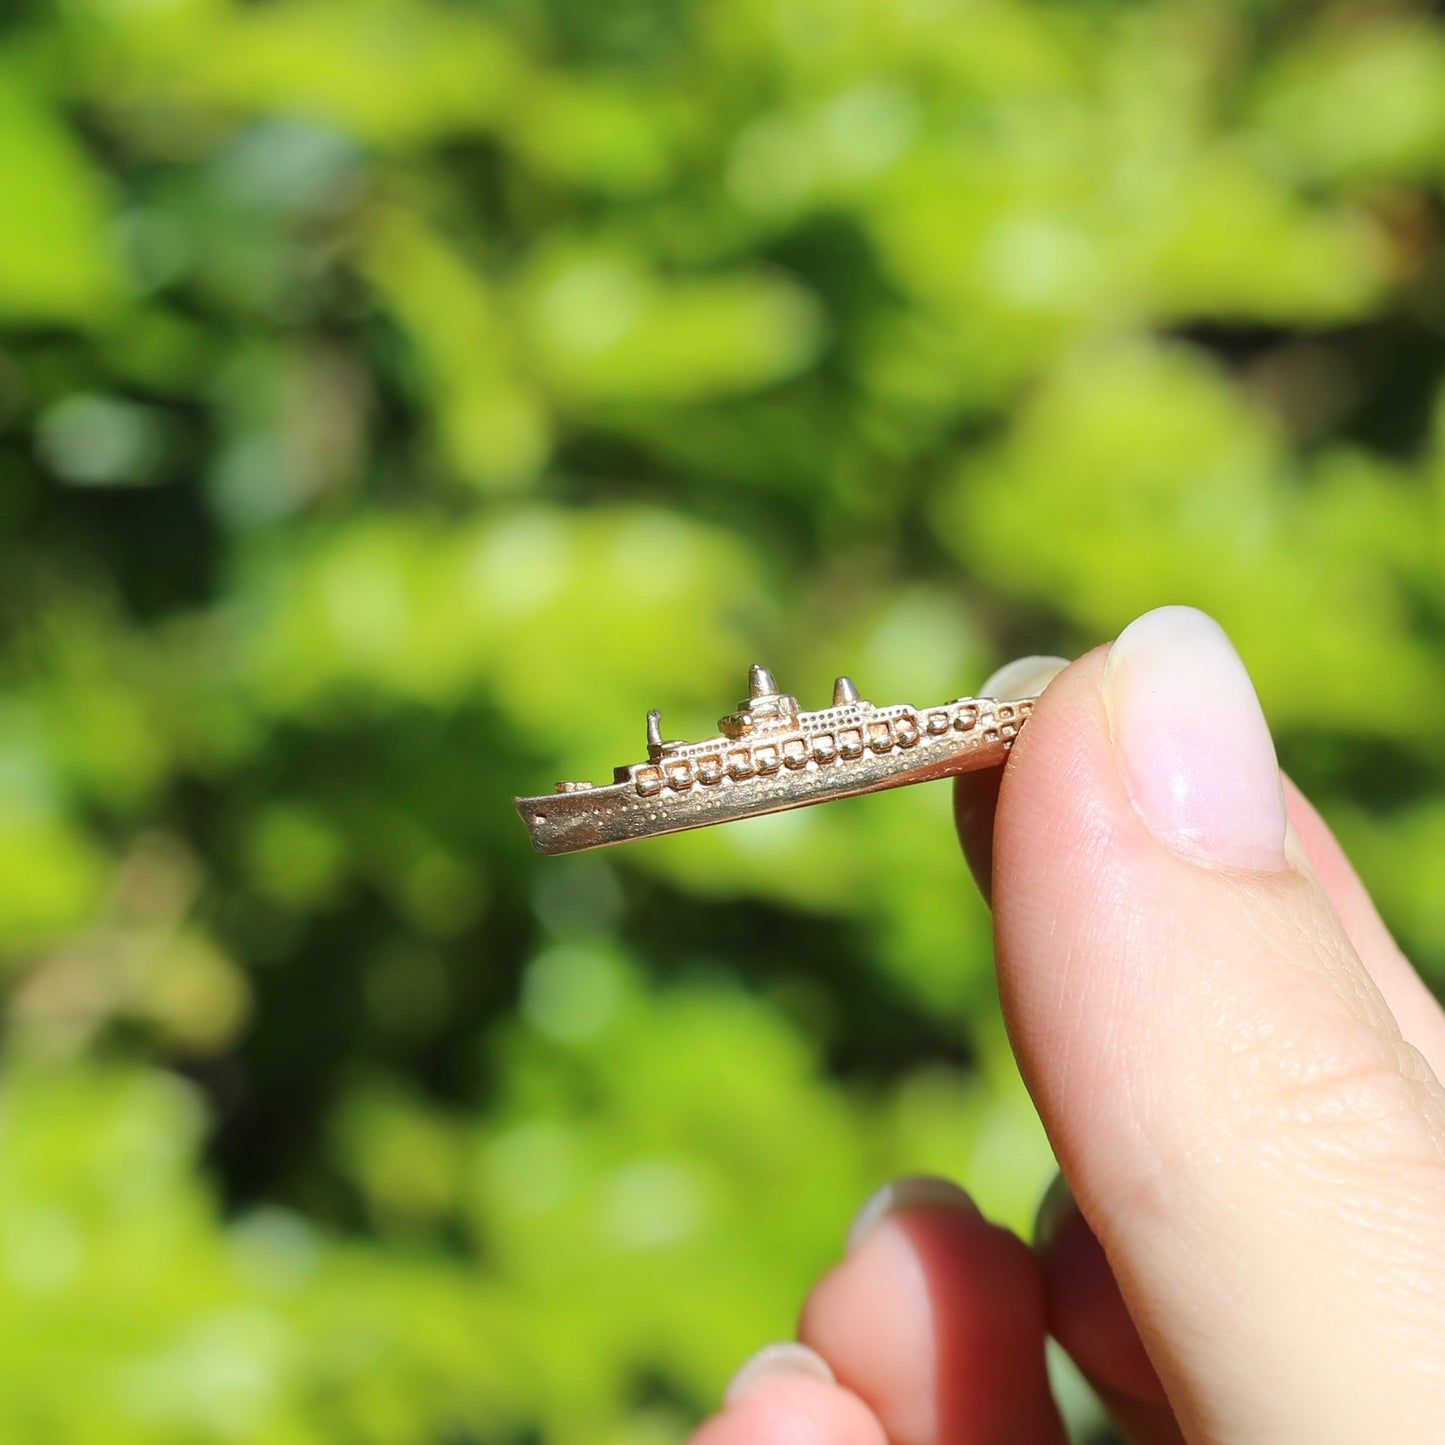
(771, 756)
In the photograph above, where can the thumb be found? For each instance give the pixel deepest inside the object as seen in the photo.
(1260, 1153)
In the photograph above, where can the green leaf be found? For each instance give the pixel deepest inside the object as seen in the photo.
(56, 260)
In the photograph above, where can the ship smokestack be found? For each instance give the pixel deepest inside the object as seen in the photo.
(844, 692)
(654, 732)
(760, 681)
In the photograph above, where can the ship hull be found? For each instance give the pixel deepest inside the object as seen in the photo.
(583, 817)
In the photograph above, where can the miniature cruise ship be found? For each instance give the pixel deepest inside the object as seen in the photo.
(770, 755)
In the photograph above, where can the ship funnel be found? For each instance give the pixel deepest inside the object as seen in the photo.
(844, 692)
(654, 732)
(760, 681)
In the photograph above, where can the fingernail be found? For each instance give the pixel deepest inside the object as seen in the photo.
(1192, 742)
(909, 1192)
(1056, 1206)
(1023, 677)
(774, 1360)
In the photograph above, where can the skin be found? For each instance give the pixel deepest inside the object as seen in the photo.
(1239, 1072)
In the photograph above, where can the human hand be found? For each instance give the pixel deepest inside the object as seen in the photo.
(1239, 1073)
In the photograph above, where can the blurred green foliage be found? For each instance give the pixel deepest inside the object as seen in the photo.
(397, 397)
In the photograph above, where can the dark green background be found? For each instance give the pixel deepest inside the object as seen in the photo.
(396, 400)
